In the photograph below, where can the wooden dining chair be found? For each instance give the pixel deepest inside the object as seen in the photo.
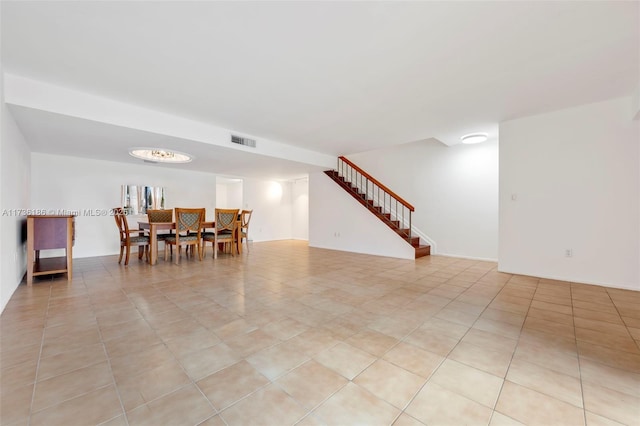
(226, 230)
(160, 215)
(129, 237)
(155, 216)
(245, 218)
(188, 231)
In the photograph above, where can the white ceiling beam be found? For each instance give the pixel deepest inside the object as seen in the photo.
(35, 94)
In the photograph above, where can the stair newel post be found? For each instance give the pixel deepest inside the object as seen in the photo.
(409, 226)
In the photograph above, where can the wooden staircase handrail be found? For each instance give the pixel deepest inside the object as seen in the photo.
(374, 180)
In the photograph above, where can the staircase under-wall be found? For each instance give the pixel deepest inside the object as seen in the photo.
(379, 200)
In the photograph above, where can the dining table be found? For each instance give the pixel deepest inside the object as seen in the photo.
(154, 227)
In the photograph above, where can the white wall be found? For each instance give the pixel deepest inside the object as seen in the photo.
(234, 195)
(228, 193)
(15, 168)
(575, 174)
(337, 221)
(69, 183)
(454, 190)
(221, 196)
(61, 182)
(271, 205)
(300, 205)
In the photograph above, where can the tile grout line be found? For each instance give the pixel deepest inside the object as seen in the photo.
(113, 378)
(573, 321)
(513, 355)
(444, 358)
(44, 332)
(175, 357)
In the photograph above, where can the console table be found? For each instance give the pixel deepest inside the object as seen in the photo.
(48, 232)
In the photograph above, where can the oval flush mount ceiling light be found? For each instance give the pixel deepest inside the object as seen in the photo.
(474, 138)
(159, 155)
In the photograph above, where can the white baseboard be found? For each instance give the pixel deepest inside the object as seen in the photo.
(483, 259)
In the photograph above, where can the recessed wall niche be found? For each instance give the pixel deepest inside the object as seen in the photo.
(136, 199)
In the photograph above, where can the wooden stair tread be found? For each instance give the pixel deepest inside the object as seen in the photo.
(423, 250)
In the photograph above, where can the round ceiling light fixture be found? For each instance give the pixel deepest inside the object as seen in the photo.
(159, 155)
(474, 138)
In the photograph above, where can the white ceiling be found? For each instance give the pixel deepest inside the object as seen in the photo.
(332, 77)
(64, 135)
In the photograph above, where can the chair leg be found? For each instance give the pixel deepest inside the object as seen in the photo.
(121, 253)
(140, 252)
(126, 258)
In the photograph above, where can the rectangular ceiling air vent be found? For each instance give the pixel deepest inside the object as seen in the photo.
(243, 141)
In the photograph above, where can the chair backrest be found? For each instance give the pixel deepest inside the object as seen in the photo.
(246, 218)
(121, 223)
(227, 219)
(189, 220)
(160, 215)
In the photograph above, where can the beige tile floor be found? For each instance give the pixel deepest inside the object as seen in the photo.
(288, 334)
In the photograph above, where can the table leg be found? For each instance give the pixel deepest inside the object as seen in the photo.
(153, 243)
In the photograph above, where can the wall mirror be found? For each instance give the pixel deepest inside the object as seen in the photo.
(136, 199)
